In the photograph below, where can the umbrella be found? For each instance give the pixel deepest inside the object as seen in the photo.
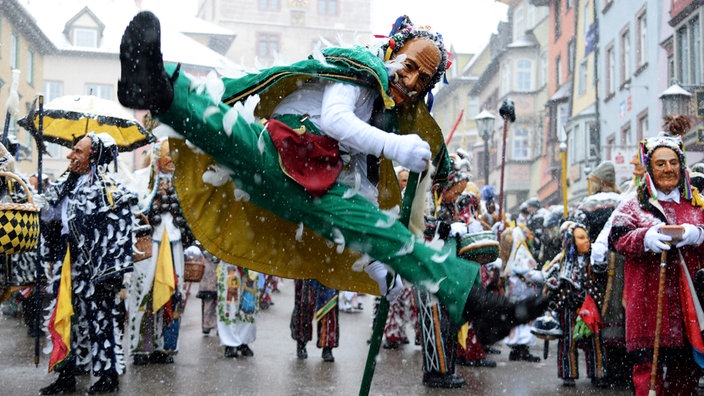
(68, 118)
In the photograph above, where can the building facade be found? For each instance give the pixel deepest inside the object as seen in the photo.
(282, 31)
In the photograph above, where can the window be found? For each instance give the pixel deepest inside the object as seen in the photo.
(524, 75)
(625, 56)
(327, 7)
(563, 112)
(689, 53)
(610, 70)
(103, 91)
(52, 90)
(568, 4)
(521, 143)
(30, 67)
(557, 19)
(626, 138)
(558, 72)
(14, 51)
(543, 72)
(84, 37)
(570, 56)
(582, 80)
(642, 126)
(505, 79)
(473, 106)
(576, 145)
(269, 5)
(267, 45)
(641, 38)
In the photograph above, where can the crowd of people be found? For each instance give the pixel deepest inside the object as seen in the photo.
(615, 275)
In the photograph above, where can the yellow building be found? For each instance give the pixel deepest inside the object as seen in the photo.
(23, 47)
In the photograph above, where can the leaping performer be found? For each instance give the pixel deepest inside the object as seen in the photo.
(311, 171)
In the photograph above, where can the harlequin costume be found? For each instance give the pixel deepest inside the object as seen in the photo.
(94, 253)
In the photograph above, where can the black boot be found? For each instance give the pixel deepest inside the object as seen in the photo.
(327, 355)
(230, 352)
(301, 350)
(143, 83)
(66, 383)
(160, 357)
(245, 350)
(447, 381)
(106, 384)
(493, 316)
(522, 352)
(140, 359)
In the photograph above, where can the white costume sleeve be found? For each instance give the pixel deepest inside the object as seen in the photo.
(339, 121)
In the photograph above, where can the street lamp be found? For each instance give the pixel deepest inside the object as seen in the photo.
(675, 100)
(485, 124)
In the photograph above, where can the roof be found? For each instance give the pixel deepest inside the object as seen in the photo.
(52, 17)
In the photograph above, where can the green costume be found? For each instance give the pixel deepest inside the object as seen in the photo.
(266, 242)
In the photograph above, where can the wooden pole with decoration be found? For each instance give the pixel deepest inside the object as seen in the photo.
(658, 325)
(508, 113)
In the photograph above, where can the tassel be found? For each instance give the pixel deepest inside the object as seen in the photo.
(389, 50)
(697, 199)
(687, 186)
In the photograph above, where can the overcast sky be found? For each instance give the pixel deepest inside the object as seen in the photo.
(465, 24)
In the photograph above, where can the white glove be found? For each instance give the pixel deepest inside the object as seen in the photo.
(498, 227)
(377, 271)
(396, 289)
(458, 228)
(654, 241)
(692, 235)
(40, 200)
(599, 251)
(410, 151)
(496, 264)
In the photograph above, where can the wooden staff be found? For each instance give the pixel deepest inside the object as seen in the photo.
(508, 113)
(609, 283)
(658, 324)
